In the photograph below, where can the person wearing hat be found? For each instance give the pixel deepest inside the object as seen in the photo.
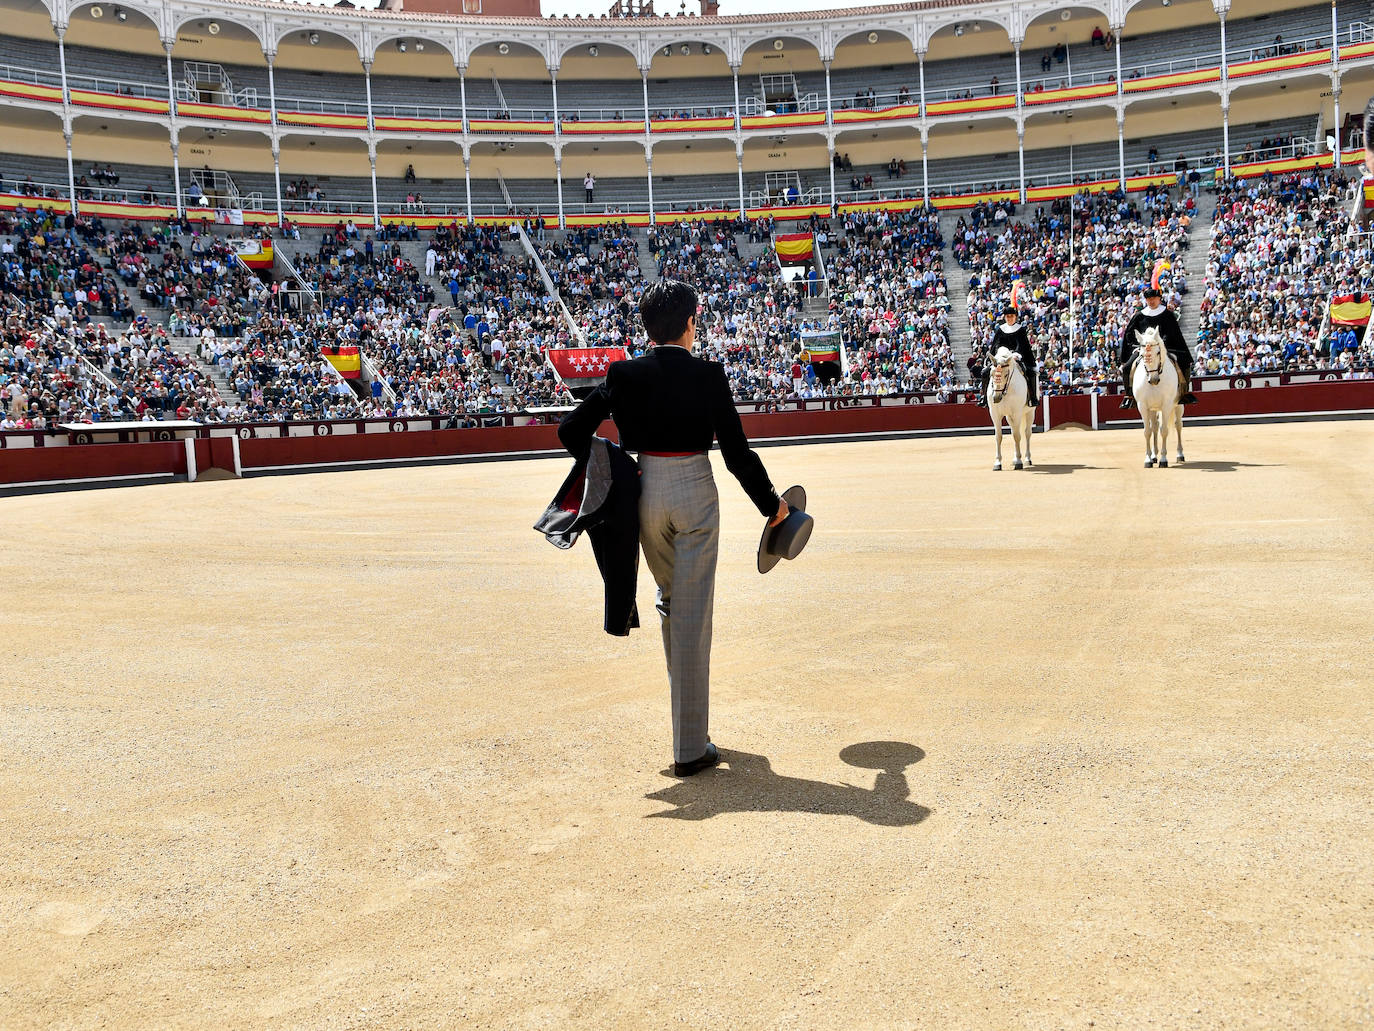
(1155, 313)
(1012, 335)
(668, 406)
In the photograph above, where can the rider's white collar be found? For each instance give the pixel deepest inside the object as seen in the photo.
(1152, 311)
(1009, 329)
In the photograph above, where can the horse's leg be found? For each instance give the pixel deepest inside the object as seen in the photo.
(1178, 431)
(1147, 418)
(1015, 422)
(1030, 432)
(997, 426)
(1166, 417)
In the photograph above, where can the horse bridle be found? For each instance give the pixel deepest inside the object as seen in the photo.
(1158, 370)
(999, 393)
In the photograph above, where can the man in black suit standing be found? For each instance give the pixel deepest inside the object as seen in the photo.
(669, 406)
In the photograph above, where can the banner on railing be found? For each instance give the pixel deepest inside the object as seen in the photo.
(1350, 310)
(256, 254)
(345, 359)
(794, 248)
(822, 347)
(583, 369)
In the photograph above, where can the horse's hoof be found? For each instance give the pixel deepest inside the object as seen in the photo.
(1179, 459)
(1029, 463)
(997, 467)
(1149, 463)
(1164, 463)
(1016, 465)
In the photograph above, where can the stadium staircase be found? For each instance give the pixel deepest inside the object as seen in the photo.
(1195, 265)
(956, 286)
(187, 346)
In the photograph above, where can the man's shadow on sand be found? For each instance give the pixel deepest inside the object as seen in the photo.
(747, 784)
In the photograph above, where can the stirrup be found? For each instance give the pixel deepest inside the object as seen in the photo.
(1127, 402)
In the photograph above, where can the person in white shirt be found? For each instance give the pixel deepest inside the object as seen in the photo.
(589, 184)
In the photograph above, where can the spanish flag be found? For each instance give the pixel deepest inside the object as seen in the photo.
(256, 254)
(1369, 193)
(346, 360)
(794, 248)
(1350, 310)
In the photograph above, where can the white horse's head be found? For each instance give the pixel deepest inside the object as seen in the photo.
(1151, 344)
(1002, 364)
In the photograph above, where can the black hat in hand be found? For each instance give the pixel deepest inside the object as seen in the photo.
(786, 540)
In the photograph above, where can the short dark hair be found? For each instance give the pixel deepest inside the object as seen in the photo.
(665, 308)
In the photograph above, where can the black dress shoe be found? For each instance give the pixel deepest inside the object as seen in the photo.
(1127, 402)
(710, 758)
(1188, 398)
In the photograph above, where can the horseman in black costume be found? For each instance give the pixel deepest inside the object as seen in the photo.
(1156, 314)
(1012, 335)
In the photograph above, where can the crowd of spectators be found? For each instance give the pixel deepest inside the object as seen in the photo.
(1274, 262)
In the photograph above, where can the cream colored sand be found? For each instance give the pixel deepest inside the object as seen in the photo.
(351, 750)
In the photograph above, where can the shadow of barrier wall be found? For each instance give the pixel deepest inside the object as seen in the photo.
(38, 461)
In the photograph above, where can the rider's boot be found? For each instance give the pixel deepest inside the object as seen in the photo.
(1127, 401)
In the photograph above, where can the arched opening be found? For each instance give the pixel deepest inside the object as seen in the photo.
(1168, 39)
(874, 69)
(509, 81)
(781, 76)
(969, 60)
(115, 49)
(219, 63)
(791, 168)
(319, 72)
(974, 157)
(414, 77)
(34, 162)
(1066, 48)
(1078, 146)
(599, 83)
(528, 171)
(619, 178)
(691, 79)
(881, 163)
(322, 175)
(420, 177)
(695, 175)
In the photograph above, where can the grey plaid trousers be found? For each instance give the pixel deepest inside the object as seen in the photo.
(679, 530)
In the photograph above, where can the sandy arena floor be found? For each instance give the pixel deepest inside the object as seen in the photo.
(1084, 746)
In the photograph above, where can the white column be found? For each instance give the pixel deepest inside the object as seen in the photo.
(830, 141)
(557, 125)
(67, 118)
(1021, 156)
(372, 147)
(463, 93)
(1225, 103)
(173, 133)
(925, 167)
(1020, 125)
(739, 161)
(276, 176)
(649, 164)
(467, 177)
(1336, 83)
(271, 57)
(921, 69)
(71, 173)
(558, 177)
(1336, 100)
(372, 160)
(176, 173)
(734, 74)
(1121, 141)
(829, 117)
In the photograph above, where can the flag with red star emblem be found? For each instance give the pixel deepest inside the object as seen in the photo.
(583, 369)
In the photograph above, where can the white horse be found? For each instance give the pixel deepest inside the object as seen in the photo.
(1155, 380)
(1007, 400)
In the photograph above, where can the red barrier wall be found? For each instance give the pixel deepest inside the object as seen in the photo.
(257, 453)
(92, 461)
(96, 461)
